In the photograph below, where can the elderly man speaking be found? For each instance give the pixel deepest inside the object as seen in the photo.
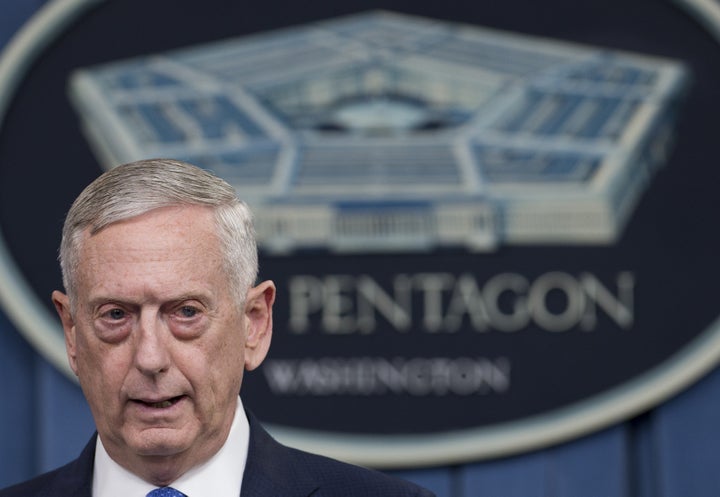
(162, 317)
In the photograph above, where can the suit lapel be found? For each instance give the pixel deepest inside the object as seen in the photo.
(272, 469)
(75, 478)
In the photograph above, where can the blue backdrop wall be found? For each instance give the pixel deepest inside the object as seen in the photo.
(669, 451)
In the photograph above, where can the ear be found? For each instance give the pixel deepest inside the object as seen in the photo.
(258, 315)
(62, 305)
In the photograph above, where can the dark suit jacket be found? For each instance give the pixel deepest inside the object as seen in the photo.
(272, 470)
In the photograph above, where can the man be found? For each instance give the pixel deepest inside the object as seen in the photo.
(161, 319)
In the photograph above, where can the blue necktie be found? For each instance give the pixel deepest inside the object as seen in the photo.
(166, 492)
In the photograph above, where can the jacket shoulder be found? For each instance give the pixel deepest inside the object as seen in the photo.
(74, 478)
(339, 478)
(275, 469)
(47, 484)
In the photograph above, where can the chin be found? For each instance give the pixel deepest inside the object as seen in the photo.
(159, 444)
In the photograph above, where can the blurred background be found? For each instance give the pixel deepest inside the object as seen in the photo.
(563, 153)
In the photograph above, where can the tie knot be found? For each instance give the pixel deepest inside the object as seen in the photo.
(165, 492)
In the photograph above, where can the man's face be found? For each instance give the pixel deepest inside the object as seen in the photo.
(159, 342)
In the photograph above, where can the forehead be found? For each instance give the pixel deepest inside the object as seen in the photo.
(162, 242)
(187, 221)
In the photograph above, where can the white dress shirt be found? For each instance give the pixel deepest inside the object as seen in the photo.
(220, 476)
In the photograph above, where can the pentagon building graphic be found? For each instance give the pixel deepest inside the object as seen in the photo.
(381, 131)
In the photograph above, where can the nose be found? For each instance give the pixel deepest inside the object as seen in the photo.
(151, 352)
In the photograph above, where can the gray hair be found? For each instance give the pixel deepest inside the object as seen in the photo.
(136, 188)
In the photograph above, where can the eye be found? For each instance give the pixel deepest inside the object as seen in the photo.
(113, 323)
(115, 314)
(188, 311)
(188, 319)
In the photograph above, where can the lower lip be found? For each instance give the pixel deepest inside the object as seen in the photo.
(152, 410)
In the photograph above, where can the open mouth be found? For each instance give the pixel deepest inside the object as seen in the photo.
(161, 404)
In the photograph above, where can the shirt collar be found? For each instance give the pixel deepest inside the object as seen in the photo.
(219, 476)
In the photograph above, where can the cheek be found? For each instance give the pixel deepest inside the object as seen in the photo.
(101, 387)
(100, 367)
(227, 364)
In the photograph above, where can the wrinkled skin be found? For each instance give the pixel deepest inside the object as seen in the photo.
(158, 341)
